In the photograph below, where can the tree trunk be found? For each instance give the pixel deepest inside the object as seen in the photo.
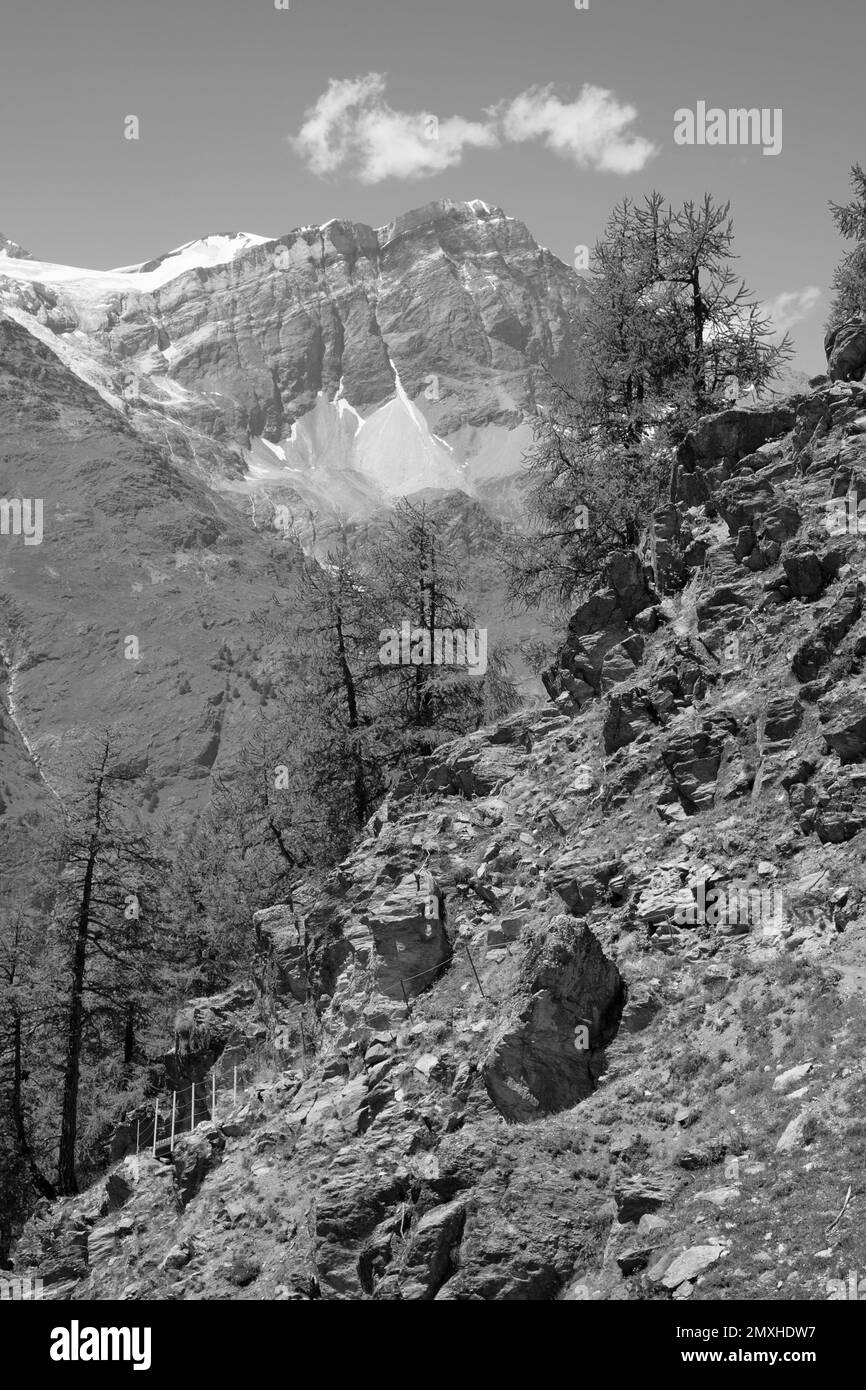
(359, 786)
(129, 1035)
(74, 1034)
(66, 1181)
(698, 383)
(40, 1182)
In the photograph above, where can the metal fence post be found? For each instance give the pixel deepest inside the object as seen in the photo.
(474, 971)
(405, 998)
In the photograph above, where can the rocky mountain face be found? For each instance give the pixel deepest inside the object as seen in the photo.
(581, 1016)
(338, 364)
(132, 547)
(12, 251)
(845, 346)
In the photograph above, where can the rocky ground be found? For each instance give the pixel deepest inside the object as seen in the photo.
(582, 1015)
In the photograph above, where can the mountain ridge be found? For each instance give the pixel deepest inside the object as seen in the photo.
(455, 299)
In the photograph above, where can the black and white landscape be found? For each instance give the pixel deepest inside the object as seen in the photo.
(432, 652)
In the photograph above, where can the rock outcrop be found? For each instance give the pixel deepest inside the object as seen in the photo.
(845, 347)
(603, 648)
(546, 1052)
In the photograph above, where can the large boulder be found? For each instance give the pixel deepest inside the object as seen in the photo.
(401, 936)
(693, 758)
(582, 882)
(204, 1028)
(804, 573)
(537, 1063)
(779, 723)
(843, 717)
(628, 715)
(280, 965)
(602, 648)
(845, 347)
(732, 434)
(818, 646)
(637, 1195)
(432, 1250)
(193, 1157)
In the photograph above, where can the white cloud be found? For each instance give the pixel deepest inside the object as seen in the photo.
(592, 130)
(353, 127)
(791, 306)
(352, 124)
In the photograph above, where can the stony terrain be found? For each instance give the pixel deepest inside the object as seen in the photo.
(582, 1015)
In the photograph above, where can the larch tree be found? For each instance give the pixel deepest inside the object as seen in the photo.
(105, 936)
(849, 277)
(670, 333)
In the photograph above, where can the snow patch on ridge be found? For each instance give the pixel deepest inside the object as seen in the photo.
(275, 449)
(206, 253)
(344, 408)
(414, 414)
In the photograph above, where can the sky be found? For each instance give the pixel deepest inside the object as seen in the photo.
(258, 119)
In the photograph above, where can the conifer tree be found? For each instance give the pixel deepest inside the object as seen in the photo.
(849, 277)
(105, 936)
(412, 569)
(670, 333)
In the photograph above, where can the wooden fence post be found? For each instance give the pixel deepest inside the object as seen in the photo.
(155, 1123)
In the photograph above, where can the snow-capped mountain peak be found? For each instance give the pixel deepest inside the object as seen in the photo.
(348, 363)
(10, 250)
(206, 252)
